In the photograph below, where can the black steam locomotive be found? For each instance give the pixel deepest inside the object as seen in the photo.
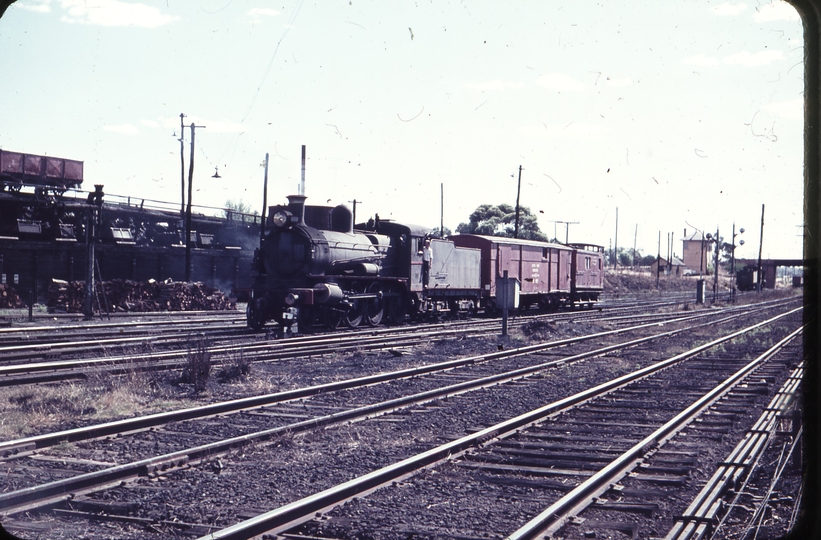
(314, 266)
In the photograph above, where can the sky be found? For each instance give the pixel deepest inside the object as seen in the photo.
(681, 115)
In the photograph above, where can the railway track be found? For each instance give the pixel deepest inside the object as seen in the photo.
(224, 343)
(573, 455)
(162, 465)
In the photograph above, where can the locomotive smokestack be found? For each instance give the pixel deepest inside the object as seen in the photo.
(296, 203)
(302, 184)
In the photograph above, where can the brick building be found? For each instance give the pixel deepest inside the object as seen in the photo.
(695, 252)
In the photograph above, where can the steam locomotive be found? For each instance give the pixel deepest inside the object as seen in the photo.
(314, 266)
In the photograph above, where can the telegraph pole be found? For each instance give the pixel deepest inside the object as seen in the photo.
(760, 244)
(188, 209)
(658, 262)
(518, 192)
(264, 198)
(354, 209)
(182, 166)
(616, 247)
(302, 183)
(442, 210)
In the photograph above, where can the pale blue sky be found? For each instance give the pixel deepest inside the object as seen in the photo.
(694, 107)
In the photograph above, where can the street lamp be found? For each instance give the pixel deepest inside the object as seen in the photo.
(732, 266)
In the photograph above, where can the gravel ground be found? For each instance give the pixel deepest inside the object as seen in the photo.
(258, 478)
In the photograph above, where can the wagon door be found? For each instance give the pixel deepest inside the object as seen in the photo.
(564, 269)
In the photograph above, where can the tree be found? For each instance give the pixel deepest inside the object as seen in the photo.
(435, 232)
(239, 211)
(500, 220)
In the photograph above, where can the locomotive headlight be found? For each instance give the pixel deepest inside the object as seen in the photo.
(281, 218)
(291, 298)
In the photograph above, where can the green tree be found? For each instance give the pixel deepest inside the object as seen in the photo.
(435, 232)
(239, 211)
(500, 220)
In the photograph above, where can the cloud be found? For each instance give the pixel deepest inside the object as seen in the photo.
(150, 123)
(747, 59)
(701, 60)
(776, 11)
(729, 9)
(43, 6)
(792, 110)
(495, 84)
(619, 83)
(113, 13)
(123, 129)
(560, 82)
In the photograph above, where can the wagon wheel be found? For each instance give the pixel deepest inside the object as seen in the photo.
(416, 307)
(395, 307)
(332, 317)
(354, 315)
(374, 308)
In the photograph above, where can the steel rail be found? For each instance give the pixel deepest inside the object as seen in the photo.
(556, 515)
(258, 352)
(699, 519)
(290, 515)
(112, 325)
(284, 349)
(57, 491)
(9, 448)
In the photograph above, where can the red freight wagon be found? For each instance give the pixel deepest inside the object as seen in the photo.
(45, 172)
(542, 270)
(588, 272)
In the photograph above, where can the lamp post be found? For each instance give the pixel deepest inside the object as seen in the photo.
(732, 265)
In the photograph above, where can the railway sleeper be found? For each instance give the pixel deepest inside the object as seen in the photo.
(647, 509)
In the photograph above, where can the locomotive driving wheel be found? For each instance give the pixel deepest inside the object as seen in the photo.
(354, 316)
(374, 308)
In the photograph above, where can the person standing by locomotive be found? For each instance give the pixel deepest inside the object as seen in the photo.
(427, 262)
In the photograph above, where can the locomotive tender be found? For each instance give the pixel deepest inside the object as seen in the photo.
(314, 266)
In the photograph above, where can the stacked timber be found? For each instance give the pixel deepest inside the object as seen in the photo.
(120, 295)
(9, 299)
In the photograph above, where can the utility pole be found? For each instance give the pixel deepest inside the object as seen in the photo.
(182, 166)
(616, 247)
(635, 235)
(353, 202)
(442, 210)
(518, 193)
(658, 262)
(188, 209)
(264, 197)
(715, 280)
(302, 184)
(760, 244)
(567, 225)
